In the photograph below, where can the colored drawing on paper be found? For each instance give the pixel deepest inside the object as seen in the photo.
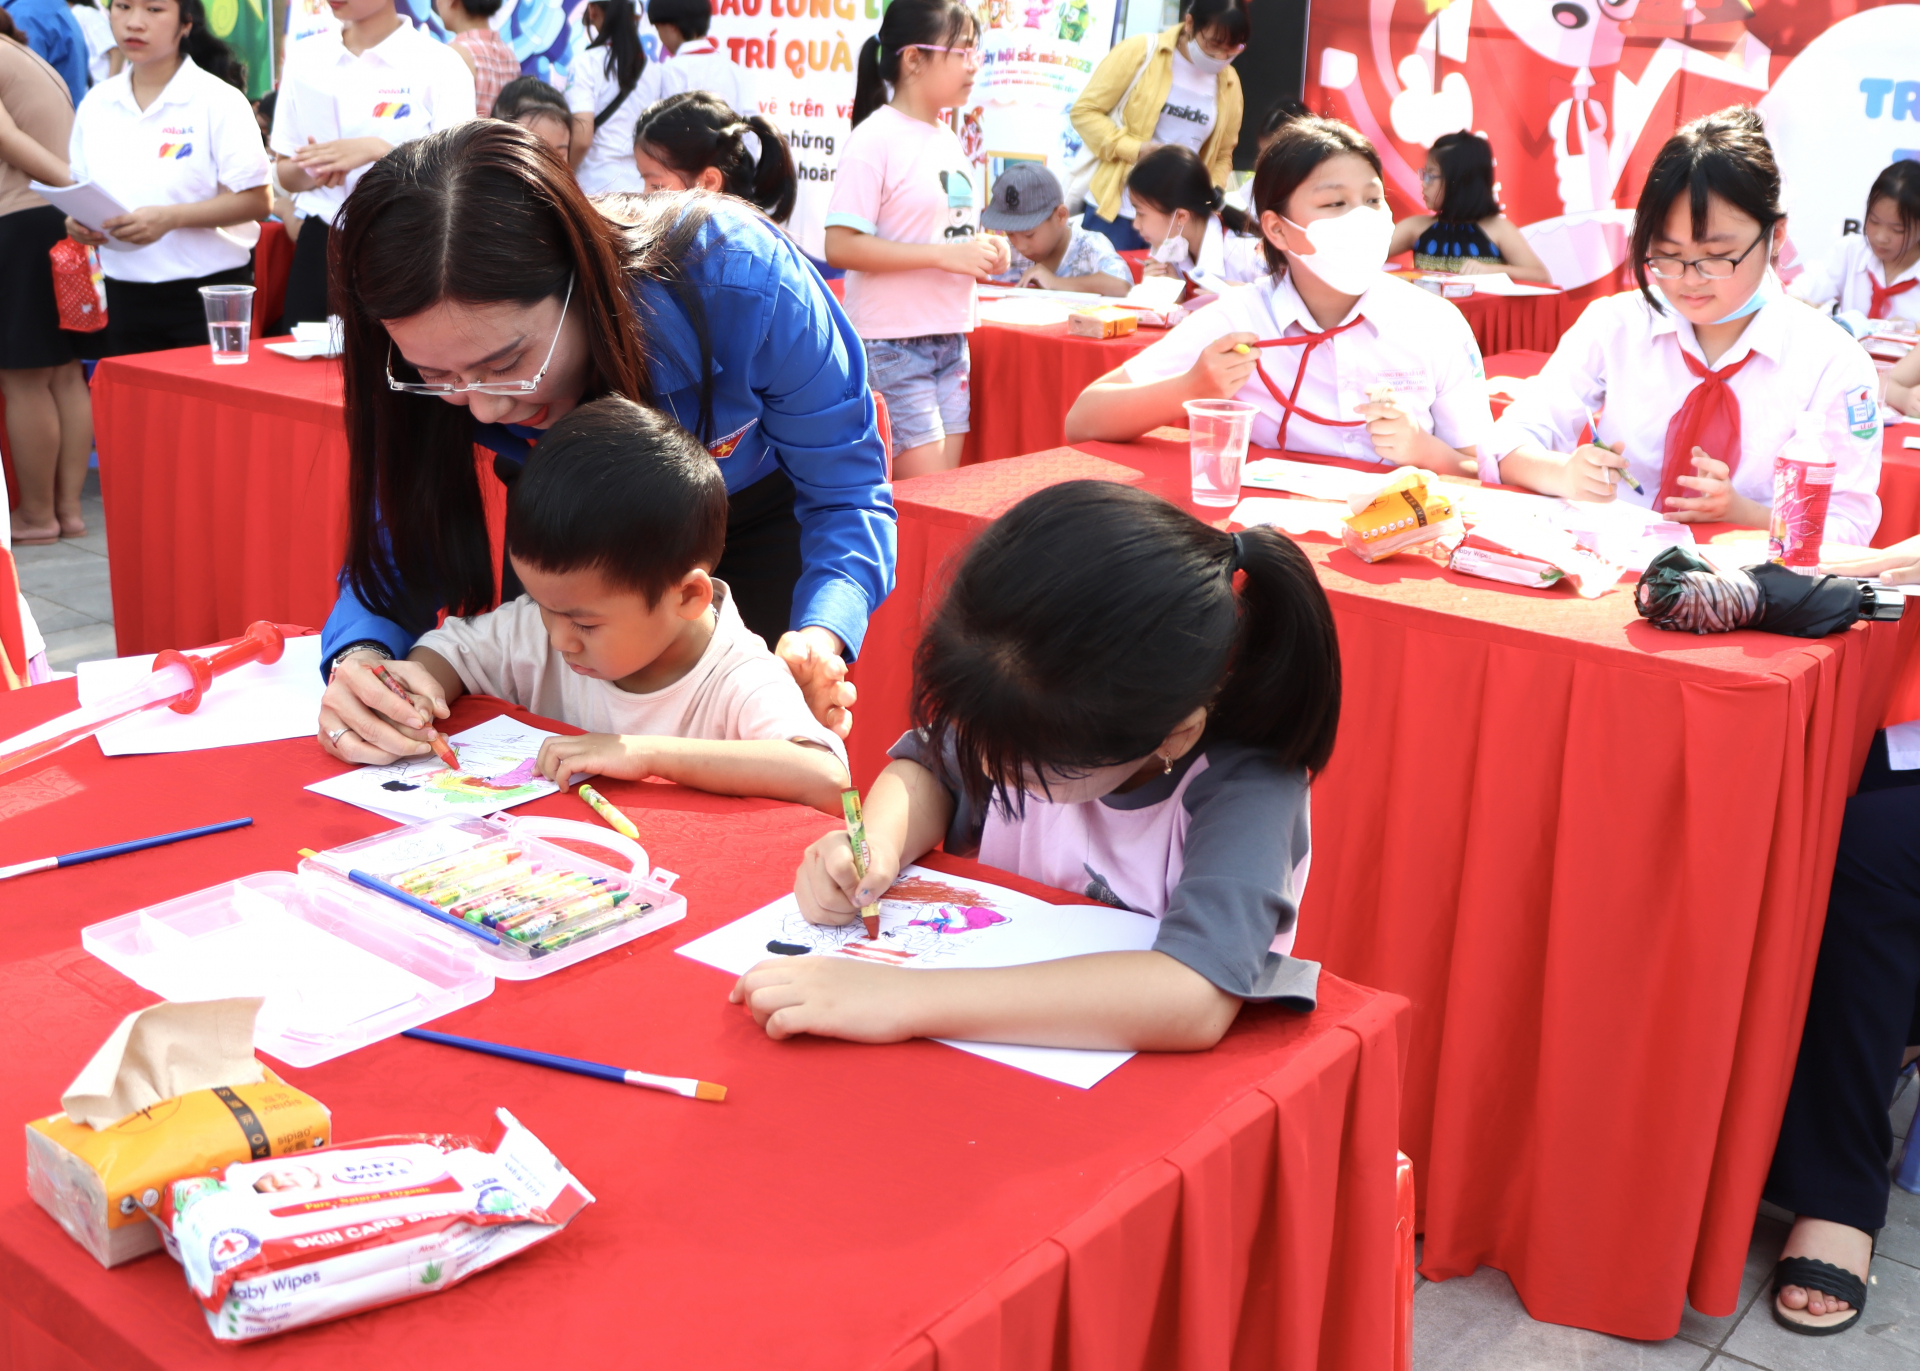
(472, 785)
(498, 769)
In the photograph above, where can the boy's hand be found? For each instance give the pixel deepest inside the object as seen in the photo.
(826, 887)
(1039, 277)
(594, 754)
(834, 997)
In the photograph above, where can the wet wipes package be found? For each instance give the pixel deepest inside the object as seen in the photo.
(273, 1245)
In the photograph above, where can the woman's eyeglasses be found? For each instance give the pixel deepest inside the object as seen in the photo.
(969, 57)
(485, 387)
(1710, 268)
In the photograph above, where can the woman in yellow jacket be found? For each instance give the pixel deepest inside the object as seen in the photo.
(1174, 87)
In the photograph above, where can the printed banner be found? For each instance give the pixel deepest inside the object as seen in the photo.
(1035, 59)
(1577, 96)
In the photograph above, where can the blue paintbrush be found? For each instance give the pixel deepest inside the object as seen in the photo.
(676, 1085)
(94, 854)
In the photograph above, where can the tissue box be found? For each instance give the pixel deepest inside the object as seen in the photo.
(95, 1182)
(1406, 512)
(1108, 321)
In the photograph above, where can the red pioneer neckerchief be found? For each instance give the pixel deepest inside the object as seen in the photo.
(1882, 294)
(1306, 342)
(1709, 420)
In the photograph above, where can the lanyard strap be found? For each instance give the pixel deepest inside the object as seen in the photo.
(1306, 342)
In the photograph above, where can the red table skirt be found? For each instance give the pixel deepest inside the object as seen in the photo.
(272, 261)
(895, 1207)
(1025, 380)
(1604, 1034)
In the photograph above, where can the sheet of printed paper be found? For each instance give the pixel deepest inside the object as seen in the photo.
(496, 772)
(1290, 516)
(1310, 479)
(250, 704)
(929, 919)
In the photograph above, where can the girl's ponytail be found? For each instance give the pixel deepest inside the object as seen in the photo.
(775, 183)
(620, 36)
(906, 24)
(208, 52)
(871, 75)
(1283, 689)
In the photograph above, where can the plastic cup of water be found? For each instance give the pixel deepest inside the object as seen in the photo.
(229, 321)
(1217, 433)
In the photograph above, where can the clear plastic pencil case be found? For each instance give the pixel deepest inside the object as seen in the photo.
(341, 966)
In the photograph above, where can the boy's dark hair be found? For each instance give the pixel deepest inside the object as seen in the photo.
(1089, 620)
(1899, 183)
(526, 95)
(691, 17)
(1725, 153)
(620, 489)
(1466, 170)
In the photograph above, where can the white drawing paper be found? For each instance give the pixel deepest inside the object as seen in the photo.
(930, 919)
(85, 203)
(496, 773)
(252, 703)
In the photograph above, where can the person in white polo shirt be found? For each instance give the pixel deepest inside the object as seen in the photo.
(1340, 358)
(346, 101)
(693, 61)
(172, 138)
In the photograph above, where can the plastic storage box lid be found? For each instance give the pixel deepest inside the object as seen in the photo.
(335, 975)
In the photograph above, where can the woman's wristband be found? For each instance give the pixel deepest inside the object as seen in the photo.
(364, 645)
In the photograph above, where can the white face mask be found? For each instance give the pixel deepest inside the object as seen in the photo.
(1348, 250)
(1173, 250)
(1212, 66)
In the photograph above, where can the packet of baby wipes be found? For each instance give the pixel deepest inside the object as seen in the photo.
(1410, 509)
(273, 1245)
(1532, 552)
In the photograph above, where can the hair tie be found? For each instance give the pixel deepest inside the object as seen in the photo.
(1236, 556)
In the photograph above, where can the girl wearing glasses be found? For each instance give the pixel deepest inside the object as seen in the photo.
(1699, 376)
(693, 304)
(1177, 87)
(1466, 232)
(904, 222)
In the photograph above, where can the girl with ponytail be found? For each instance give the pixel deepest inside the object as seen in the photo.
(1115, 698)
(695, 141)
(604, 103)
(904, 224)
(1194, 233)
(173, 136)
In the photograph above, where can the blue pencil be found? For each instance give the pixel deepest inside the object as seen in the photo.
(94, 854)
(394, 892)
(675, 1085)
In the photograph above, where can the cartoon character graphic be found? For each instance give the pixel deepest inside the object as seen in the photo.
(1460, 75)
(973, 139)
(961, 218)
(1074, 17)
(1036, 16)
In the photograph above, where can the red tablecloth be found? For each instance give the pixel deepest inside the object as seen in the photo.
(1025, 380)
(902, 1207)
(1594, 855)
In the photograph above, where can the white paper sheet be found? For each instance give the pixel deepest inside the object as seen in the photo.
(1499, 283)
(1310, 479)
(930, 919)
(500, 751)
(87, 204)
(1011, 309)
(250, 704)
(1290, 516)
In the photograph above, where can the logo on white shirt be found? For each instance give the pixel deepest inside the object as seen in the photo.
(1186, 112)
(175, 151)
(1863, 412)
(392, 109)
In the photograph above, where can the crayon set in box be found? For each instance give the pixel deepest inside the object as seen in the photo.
(342, 966)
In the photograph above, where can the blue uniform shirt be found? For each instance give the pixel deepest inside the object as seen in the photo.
(790, 391)
(51, 30)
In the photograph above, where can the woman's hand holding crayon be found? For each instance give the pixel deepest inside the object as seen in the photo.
(827, 887)
(364, 719)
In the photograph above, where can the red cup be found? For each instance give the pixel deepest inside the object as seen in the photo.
(1801, 493)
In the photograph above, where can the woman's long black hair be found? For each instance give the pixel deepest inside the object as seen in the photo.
(620, 35)
(479, 213)
(1092, 618)
(1171, 178)
(1466, 169)
(696, 129)
(208, 52)
(939, 23)
(1725, 153)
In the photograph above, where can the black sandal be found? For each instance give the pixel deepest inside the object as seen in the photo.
(1810, 1273)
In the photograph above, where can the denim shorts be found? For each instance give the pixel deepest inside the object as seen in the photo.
(924, 381)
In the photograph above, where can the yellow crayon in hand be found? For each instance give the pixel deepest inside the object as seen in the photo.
(619, 822)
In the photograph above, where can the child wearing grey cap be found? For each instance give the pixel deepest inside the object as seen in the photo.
(1050, 249)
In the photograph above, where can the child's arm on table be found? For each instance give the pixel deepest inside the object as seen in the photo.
(773, 769)
(1118, 409)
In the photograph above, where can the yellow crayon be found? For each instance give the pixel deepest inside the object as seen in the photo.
(617, 821)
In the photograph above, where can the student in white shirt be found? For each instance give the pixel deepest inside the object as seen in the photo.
(693, 61)
(101, 48)
(172, 138)
(347, 99)
(1875, 272)
(1186, 219)
(1700, 376)
(605, 100)
(1309, 344)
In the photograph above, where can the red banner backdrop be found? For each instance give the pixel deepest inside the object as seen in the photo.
(1577, 96)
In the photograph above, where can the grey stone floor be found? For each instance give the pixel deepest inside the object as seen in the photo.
(1477, 1323)
(66, 588)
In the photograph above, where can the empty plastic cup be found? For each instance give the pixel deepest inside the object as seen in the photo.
(1217, 433)
(229, 321)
